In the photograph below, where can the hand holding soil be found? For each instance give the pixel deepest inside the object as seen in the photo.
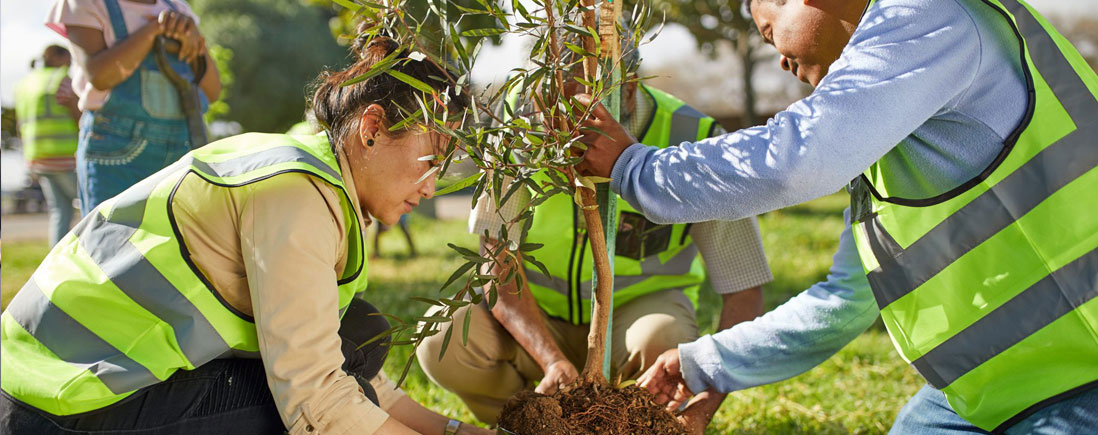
(557, 375)
(664, 380)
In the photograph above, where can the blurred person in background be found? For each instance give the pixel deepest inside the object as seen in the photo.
(47, 114)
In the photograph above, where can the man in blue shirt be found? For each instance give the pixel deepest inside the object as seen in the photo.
(931, 88)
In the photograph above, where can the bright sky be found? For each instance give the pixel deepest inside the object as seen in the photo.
(23, 36)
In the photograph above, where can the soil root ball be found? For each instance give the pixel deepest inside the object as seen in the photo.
(588, 409)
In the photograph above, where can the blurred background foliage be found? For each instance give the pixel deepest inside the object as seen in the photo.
(279, 46)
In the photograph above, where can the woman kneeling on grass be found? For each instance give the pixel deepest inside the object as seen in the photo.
(218, 295)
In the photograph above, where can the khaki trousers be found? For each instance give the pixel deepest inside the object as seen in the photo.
(492, 366)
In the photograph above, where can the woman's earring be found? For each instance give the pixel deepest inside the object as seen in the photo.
(369, 142)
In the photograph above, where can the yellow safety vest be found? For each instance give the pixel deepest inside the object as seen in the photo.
(989, 290)
(46, 128)
(118, 305)
(648, 257)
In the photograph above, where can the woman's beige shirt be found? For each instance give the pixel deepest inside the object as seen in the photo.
(274, 250)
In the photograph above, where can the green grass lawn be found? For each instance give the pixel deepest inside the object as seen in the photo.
(859, 390)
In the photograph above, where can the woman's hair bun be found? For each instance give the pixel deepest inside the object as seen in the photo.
(338, 107)
(367, 45)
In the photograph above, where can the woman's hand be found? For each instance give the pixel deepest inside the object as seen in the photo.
(182, 28)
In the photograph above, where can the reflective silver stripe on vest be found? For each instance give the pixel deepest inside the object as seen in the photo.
(247, 163)
(74, 343)
(107, 242)
(1041, 304)
(685, 122)
(651, 266)
(1054, 167)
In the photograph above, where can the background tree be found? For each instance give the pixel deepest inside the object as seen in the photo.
(713, 21)
(279, 45)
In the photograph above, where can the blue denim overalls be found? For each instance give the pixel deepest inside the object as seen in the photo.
(139, 130)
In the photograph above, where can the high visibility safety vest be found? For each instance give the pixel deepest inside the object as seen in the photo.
(46, 128)
(989, 290)
(118, 304)
(649, 257)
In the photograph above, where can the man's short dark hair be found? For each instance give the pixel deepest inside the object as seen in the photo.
(746, 9)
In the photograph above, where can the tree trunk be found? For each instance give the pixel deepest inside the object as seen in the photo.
(602, 294)
(604, 287)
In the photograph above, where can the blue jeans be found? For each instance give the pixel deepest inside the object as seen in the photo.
(59, 189)
(117, 151)
(929, 413)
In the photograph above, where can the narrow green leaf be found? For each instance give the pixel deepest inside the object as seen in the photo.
(465, 182)
(411, 81)
(577, 49)
(466, 252)
(457, 274)
(581, 31)
(446, 341)
(527, 247)
(407, 120)
(427, 174)
(537, 264)
(435, 319)
(392, 317)
(465, 328)
(379, 336)
(488, 31)
(455, 303)
(381, 66)
(493, 293)
(425, 300)
(407, 367)
(348, 4)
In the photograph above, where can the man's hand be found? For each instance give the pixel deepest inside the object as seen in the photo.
(664, 380)
(557, 375)
(605, 139)
(699, 412)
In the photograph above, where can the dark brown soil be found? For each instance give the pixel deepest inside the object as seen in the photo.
(588, 409)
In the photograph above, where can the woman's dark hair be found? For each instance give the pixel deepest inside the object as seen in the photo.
(338, 109)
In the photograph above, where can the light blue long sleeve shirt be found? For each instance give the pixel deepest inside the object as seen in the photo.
(933, 86)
